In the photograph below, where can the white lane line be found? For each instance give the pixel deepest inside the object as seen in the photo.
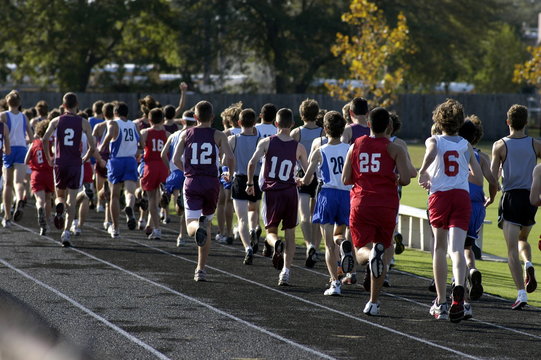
(187, 297)
(122, 332)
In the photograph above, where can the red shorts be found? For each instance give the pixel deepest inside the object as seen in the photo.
(280, 206)
(154, 174)
(451, 208)
(88, 173)
(371, 224)
(42, 180)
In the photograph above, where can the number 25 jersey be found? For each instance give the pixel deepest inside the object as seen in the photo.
(450, 168)
(373, 173)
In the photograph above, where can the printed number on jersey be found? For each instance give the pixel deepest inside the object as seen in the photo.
(39, 156)
(450, 162)
(202, 157)
(369, 162)
(284, 171)
(128, 135)
(69, 134)
(157, 144)
(337, 164)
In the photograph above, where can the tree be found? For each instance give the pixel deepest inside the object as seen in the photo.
(371, 55)
(530, 71)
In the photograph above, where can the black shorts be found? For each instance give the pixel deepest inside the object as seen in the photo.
(310, 189)
(515, 208)
(469, 242)
(238, 189)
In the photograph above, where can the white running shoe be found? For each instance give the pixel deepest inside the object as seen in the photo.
(468, 312)
(440, 312)
(75, 229)
(113, 232)
(155, 235)
(65, 238)
(141, 224)
(334, 289)
(371, 309)
(180, 241)
(100, 208)
(106, 225)
(283, 278)
(522, 300)
(375, 260)
(6, 223)
(200, 275)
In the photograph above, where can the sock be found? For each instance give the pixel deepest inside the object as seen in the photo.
(527, 264)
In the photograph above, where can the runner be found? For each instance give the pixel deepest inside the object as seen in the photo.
(358, 112)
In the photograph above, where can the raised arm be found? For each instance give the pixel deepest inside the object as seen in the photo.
(182, 100)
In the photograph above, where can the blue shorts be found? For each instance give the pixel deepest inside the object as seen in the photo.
(174, 181)
(141, 168)
(18, 153)
(477, 217)
(122, 169)
(332, 207)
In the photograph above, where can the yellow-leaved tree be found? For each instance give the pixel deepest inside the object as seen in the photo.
(530, 71)
(371, 55)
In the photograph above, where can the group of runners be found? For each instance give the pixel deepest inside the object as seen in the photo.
(338, 175)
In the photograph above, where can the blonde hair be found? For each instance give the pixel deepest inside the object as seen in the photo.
(230, 116)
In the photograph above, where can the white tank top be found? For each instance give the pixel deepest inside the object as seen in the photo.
(125, 145)
(450, 168)
(266, 130)
(333, 158)
(175, 139)
(17, 128)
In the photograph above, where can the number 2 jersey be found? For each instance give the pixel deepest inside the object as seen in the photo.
(373, 173)
(450, 168)
(68, 137)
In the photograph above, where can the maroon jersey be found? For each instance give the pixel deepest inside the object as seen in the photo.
(1, 143)
(201, 156)
(37, 161)
(358, 130)
(279, 167)
(154, 144)
(142, 123)
(68, 140)
(373, 175)
(171, 128)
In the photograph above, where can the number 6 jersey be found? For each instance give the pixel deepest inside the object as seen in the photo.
(450, 168)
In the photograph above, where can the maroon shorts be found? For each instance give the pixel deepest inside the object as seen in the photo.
(68, 176)
(102, 171)
(201, 193)
(42, 180)
(371, 224)
(88, 173)
(280, 206)
(154, 174)
(451, 208)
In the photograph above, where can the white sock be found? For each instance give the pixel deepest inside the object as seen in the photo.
(248, 248)
(527, 264)
(521, 292)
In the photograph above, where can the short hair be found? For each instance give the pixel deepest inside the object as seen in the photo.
(97, 107)
(83, 114)
(108, 110)
(155, 116)
(468, 131)
(309, 109)
(284, 118)
(54, 114)
(148, 103)
(29, 113)
(121, 109)
(204, 111)
(41, 127)
(42, 108)
(169, 112)
(479, 125)
(397, 124)
(189, 114)
(359, 106)
(268, 113)
(247, 118)
(379, 120)
(449, 116)
(334, 124)
(517, 116)
(320, 116)
(3, 104)
(13, 98)
(345, 113)
(70, 100)
(231, 114)
(88, 112)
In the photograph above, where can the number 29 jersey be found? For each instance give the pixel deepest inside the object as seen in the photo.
(125, 144)
(450, 168)
(373, 173)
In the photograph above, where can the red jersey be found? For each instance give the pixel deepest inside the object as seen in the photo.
(373, 175)
(37, 161)
(155, 142)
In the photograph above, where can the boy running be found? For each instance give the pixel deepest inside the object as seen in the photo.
(358, 111)
(267, 116)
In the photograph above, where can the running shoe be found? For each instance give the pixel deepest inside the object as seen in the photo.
(114, 232)
(155, 235)
(141, 224)
(249, 257)
(522, 300)
(375, 260)
(201, 232)
(100, 208)
(267, 249)
(236, 233)
(468, 313)
(254, 240)
(166, 220)
(229, 240)
(476, 287)
(180, 241)
(42, 222)
(529, 281)
(165, 198)
(346, 256)
(335, 289)
(371, 309)
(310, 257)
(399, 244)
(6, 223)
(130, 218)
(349, 279)
(200, 275)
(278, 256)
(386, 282)
(283, 278)
(439, 311)
(65, 238)
(89, 192)
(148, 230)
(19, 210)
(367, 279)
(75, 229)
(59, 216)
(219, 239)
(456, 312)
(106, 225)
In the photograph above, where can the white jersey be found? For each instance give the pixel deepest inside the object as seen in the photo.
(17, 128)
(175, 139)
(266, 130)
(125, 144)
(450, 168)
(333, 158)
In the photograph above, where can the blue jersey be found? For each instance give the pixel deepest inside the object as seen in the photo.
(94, 121)
(476, 192)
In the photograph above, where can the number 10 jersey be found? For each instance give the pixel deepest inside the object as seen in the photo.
(450, 168)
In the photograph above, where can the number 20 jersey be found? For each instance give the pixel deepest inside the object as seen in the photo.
(450, 168)
(373, 173)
